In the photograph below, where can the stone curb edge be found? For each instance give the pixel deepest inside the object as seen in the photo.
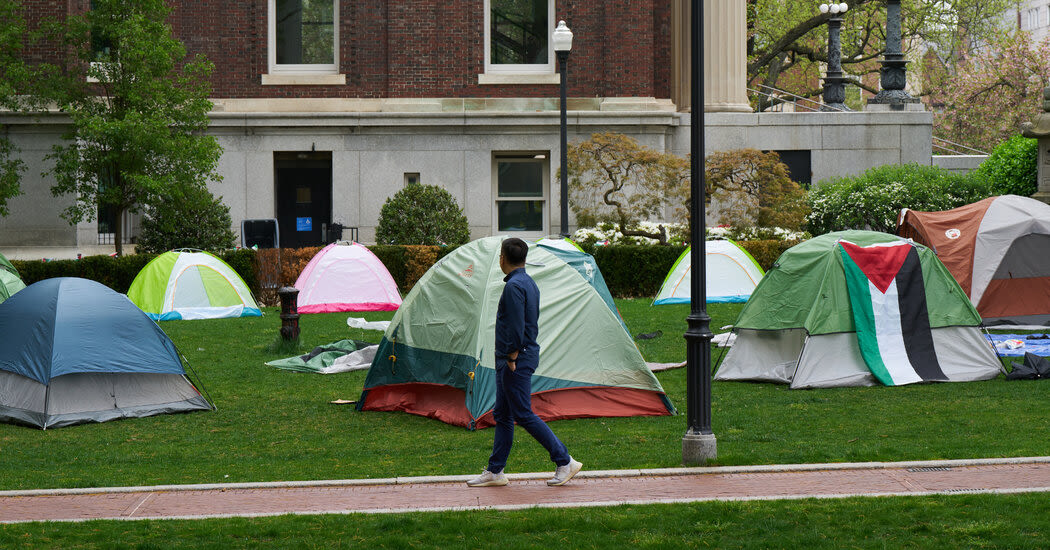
(653, 472)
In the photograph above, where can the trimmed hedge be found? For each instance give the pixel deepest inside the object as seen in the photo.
(118, 273)
(631, 271)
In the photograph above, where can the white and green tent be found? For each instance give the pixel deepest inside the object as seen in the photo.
(190, 284)
(436, 358)
(800, 325)
(732, 275)
(10, 282)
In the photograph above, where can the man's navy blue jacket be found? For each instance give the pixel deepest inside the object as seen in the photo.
(517, 320)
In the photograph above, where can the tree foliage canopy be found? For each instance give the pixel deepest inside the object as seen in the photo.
(188, 218)
(13, 74)
(787, 40)
(137, 110)
(754, 189)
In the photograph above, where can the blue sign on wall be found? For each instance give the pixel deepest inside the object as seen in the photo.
(304, 224)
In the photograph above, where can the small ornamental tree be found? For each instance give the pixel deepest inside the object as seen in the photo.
(422, 214)
(614, 179)
(754, 189)
(191, 218)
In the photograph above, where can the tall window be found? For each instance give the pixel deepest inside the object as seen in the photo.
(521, 193)
(517, 36)
(303, 36)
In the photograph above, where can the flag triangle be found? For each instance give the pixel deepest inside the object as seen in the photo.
(880, 263)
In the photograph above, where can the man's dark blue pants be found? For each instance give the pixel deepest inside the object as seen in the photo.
(514, 403)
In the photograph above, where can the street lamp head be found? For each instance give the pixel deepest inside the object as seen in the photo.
(843, 7)
(562, 38)
(824, 8)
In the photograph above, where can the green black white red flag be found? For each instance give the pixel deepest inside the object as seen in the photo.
(888, 297)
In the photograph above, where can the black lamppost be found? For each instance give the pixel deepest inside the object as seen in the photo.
(893, 75)
(834, 82)
(698, 444)
(562, 40)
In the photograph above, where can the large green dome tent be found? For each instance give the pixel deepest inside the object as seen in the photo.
(436, 357)
(798, 327)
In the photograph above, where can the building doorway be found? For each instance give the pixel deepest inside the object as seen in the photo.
(304, 197)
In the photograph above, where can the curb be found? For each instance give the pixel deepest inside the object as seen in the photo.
(653, 472)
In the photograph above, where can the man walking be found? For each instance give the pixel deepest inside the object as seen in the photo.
(517, 356)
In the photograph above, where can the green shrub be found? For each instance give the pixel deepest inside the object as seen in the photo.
(422, 214)
(119, 272)
(873, 199)
(192, 218)
(1012, 168)
(635, 270)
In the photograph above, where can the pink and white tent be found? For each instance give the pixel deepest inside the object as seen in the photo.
(346, 277)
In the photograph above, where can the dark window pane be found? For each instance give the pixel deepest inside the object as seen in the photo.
(305, 32)
(519, 32)
(520, 215)
(520, 179)
(102, 46)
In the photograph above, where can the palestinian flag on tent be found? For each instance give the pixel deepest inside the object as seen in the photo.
(888, 297)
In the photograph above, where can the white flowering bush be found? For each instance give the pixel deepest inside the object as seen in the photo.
(606, 233)
(756, 234)
(873, 199)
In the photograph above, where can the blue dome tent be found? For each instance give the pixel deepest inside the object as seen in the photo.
(75, 351)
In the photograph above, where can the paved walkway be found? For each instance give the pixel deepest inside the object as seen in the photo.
(530, 490)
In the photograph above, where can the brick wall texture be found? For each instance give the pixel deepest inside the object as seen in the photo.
(423, 48)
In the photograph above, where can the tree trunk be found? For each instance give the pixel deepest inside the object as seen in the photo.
(118, 231)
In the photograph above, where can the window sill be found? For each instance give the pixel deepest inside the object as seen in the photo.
(497, 78)
(304, 80)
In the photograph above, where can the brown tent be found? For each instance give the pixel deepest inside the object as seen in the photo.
(999, 251)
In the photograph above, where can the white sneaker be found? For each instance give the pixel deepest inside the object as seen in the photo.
(562, 474)
(488, 479)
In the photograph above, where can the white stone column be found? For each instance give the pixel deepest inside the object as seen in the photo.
(725, 56)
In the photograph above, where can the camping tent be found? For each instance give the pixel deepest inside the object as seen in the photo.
(436, 358)
(798, 326)
(185, 284)
(75, 351)
(559, 242)
(346, 276)
(999, 251)
(10, 282)
(732, 275)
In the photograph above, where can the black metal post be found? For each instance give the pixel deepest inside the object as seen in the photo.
(698, 444)
(289, 312)
(563, 59)
(834, 82)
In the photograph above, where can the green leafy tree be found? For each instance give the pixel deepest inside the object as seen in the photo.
(614, 179)
(137, 107)
(787, 40)
(13, 74)
(190, 218)
(422, 214)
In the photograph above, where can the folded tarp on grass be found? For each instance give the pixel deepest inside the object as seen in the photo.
(342, 356)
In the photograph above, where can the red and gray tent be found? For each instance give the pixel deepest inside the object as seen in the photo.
(998, 249)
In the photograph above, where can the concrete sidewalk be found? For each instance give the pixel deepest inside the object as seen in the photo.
(589, 488)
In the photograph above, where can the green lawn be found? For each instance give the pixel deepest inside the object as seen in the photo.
(278, 425)
(955, 521)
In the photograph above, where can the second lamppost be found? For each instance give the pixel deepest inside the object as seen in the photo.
(562, 41)
(834, 81)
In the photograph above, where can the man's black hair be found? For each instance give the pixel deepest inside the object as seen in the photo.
(514, 251)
